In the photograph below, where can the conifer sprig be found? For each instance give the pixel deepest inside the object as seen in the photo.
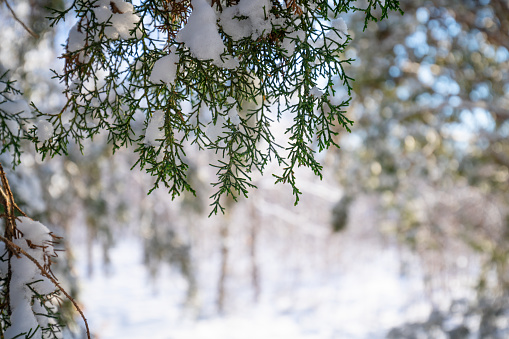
(289, 64)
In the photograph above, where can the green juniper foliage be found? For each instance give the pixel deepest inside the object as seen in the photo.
(291, 67)
(13, 114)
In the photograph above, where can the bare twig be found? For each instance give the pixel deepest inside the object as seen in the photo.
(32, 33)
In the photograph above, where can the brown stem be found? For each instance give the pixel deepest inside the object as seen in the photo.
(8, 202)
(32, 33)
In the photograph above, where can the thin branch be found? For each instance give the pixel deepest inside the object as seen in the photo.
(32, 33)
(19, 210)
(7, 193)
(8, 202)
(47, 275)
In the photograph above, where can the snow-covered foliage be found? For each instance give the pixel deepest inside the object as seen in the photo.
(116, 19)
(200, 34)
(211, 74)
(32, 296)
(248, 64)
(119, 18)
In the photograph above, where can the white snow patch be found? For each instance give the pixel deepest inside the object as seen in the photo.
(44, 130)
(201, 36)
(165, 69)
(155, 129)
(249, 18)
(121, 17)
(291, 40)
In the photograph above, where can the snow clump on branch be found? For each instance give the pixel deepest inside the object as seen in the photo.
(340, 25)
(119, 20)
(121, 17)
(249, 18)
(165, 69)
(44, 130)
(200, 34)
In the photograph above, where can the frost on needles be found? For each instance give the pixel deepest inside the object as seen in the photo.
(248, 63)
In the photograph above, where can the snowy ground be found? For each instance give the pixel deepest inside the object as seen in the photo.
(364, 301)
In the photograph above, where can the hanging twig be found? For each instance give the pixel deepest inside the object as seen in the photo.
(32, 33)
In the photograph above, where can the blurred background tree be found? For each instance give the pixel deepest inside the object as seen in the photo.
(431, 143)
